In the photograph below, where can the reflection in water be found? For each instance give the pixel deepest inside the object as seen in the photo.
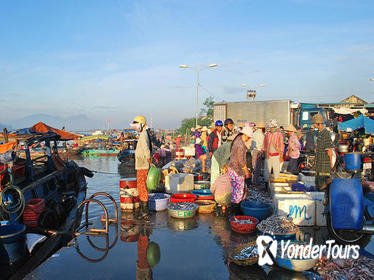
(253, 272)
(182, 224)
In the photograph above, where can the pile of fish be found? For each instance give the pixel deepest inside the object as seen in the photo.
(183, 206)
(256, 195)
(157, 196)
(277, 225)
(344, 269)
(242, 222)
(246, 253)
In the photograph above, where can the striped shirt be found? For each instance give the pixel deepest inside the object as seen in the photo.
(275, 140)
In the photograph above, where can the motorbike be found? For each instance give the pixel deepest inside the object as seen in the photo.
(349, 210)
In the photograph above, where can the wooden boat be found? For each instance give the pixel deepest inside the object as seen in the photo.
(60, 185)
(101, 152)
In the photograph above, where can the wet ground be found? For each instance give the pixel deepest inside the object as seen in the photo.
(194, 248)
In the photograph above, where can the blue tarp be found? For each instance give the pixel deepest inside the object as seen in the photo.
(357, 123)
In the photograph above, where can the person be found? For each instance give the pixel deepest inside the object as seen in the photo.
(200, 153)
(310, 139)
(142, 163)
(178, 141)
(228, 129)
(293, 150)
(257, 160)
(238, 170)
(221, 189)
(220, 158)
(204, 138)
(323, 160)
(215, 138)
(197, 132)
(273, 148)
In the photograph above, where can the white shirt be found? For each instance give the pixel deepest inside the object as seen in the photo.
(258, 137)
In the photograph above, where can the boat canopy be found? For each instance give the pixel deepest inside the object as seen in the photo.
(357, 123)
(6, 147)
(39, 129)
(42, 128)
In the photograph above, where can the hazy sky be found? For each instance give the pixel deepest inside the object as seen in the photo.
(116, 59)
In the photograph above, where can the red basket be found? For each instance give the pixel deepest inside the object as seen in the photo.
(205, 197)
(243, 228)
(183, 197)
(33, 209)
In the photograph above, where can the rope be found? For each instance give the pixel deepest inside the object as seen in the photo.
(20, 206)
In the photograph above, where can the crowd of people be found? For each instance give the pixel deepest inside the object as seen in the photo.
(242, 155)
(248, 155)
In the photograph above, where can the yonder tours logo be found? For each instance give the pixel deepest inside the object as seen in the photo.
(301, 250)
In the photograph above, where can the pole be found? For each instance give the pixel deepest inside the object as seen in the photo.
(197, 97)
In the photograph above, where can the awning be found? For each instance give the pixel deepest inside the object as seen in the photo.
(357, 123)
(348, 111)
(6, 147)
(43, 128)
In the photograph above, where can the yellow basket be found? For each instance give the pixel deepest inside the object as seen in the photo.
(205, 206)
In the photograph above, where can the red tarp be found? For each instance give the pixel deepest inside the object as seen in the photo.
(7, 146)
(43, 128)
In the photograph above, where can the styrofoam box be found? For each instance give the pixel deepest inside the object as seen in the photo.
(189, 151)
(307, 180)
(305, 209)
(277, 187)
(179, 182)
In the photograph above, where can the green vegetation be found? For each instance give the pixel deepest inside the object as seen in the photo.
(205, 119)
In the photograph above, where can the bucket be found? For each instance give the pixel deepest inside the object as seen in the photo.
(158, 201)
(346, 204)
(127, 182)
(179, 154)
(12, 243)
(129, 196)
(183, 197)
(352, 161)
(33, 209)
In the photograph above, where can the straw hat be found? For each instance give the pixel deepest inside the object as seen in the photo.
(247, 131)
(318, 118)
(261, 124)
(198, 127)
(291, 128)
(273, 123)
(204, 128)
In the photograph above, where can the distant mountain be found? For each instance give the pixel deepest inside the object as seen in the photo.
(71, 123)
(2, 126)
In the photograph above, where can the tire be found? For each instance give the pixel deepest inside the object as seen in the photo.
(346, 237)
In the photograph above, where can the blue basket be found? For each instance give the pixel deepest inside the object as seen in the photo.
(256, 209)
(202, 192)
(12, 243)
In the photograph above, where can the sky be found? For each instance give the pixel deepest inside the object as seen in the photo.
(113, 60)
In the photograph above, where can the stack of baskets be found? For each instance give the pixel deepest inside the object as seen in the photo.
(33, 209)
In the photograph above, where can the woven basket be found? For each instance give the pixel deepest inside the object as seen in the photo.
(247, 262)
(205, 206)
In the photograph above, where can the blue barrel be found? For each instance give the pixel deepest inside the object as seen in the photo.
(352, 161)
(12, 243)
(346, 204)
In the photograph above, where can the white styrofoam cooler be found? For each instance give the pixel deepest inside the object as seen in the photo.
(307, 180)
(180, 182)
(278, 187)
(305, 209)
